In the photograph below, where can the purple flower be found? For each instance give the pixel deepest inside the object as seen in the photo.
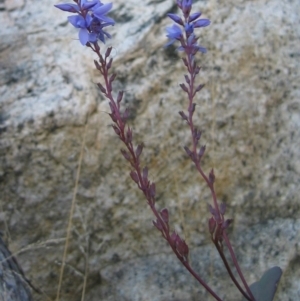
(90, 19)
(188, 28)
(70, 7)
(85, 4)
(201, 23)
(192, 47)
(175, 18)
(80, 22)
(173, 33)
(100, 11)
(194, 16)
(83, 24)
(185, 6)
(189, 23)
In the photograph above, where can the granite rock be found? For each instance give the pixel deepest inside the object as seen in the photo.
(249, 112)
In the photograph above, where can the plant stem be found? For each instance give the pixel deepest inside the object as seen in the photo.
(236, 264)
(229, 270)
(191, 68)
(143, 184)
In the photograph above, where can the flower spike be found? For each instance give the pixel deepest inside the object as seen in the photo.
(90, 19)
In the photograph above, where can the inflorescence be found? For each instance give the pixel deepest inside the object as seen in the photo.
(90, 18)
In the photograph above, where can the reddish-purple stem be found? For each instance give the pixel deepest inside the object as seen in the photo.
(143, 184)
(197, 161)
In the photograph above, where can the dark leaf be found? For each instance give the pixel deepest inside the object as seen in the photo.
(265, 288)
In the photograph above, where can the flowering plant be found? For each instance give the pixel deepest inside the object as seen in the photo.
(90, 18)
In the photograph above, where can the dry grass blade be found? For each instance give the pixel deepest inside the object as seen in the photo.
(71, 215)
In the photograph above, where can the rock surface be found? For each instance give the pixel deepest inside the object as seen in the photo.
(249, 112)
(13, 284)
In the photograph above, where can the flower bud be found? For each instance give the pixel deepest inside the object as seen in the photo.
(212, 210)
(186, 64)
(98, 67)
(125, 115)
(201, 152)
(145, 173)
(189, 152)
(139, 150)
(197, 70)
(201, 23)
(165, 215)
(108, 51)
(212, 225)
(222, 208)
(120, 96)
(187, 79)
(183, 116)
(102, 89)
(175, 18)
(182, 247)
(184, 88)
(199, 87)
(192, 108)
(69, 7)
(112, 77)
(125, 155)
(108, 66)
(116, 129)
(152, 191)
(158, 225)
(173, 238)
(194, 16)
(226, 224)
(211, 176)
(113, 117)
(186, 7)
(129, 135)
(134, 176)
(197, 135)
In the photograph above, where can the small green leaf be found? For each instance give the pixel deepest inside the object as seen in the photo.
(265, 288)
